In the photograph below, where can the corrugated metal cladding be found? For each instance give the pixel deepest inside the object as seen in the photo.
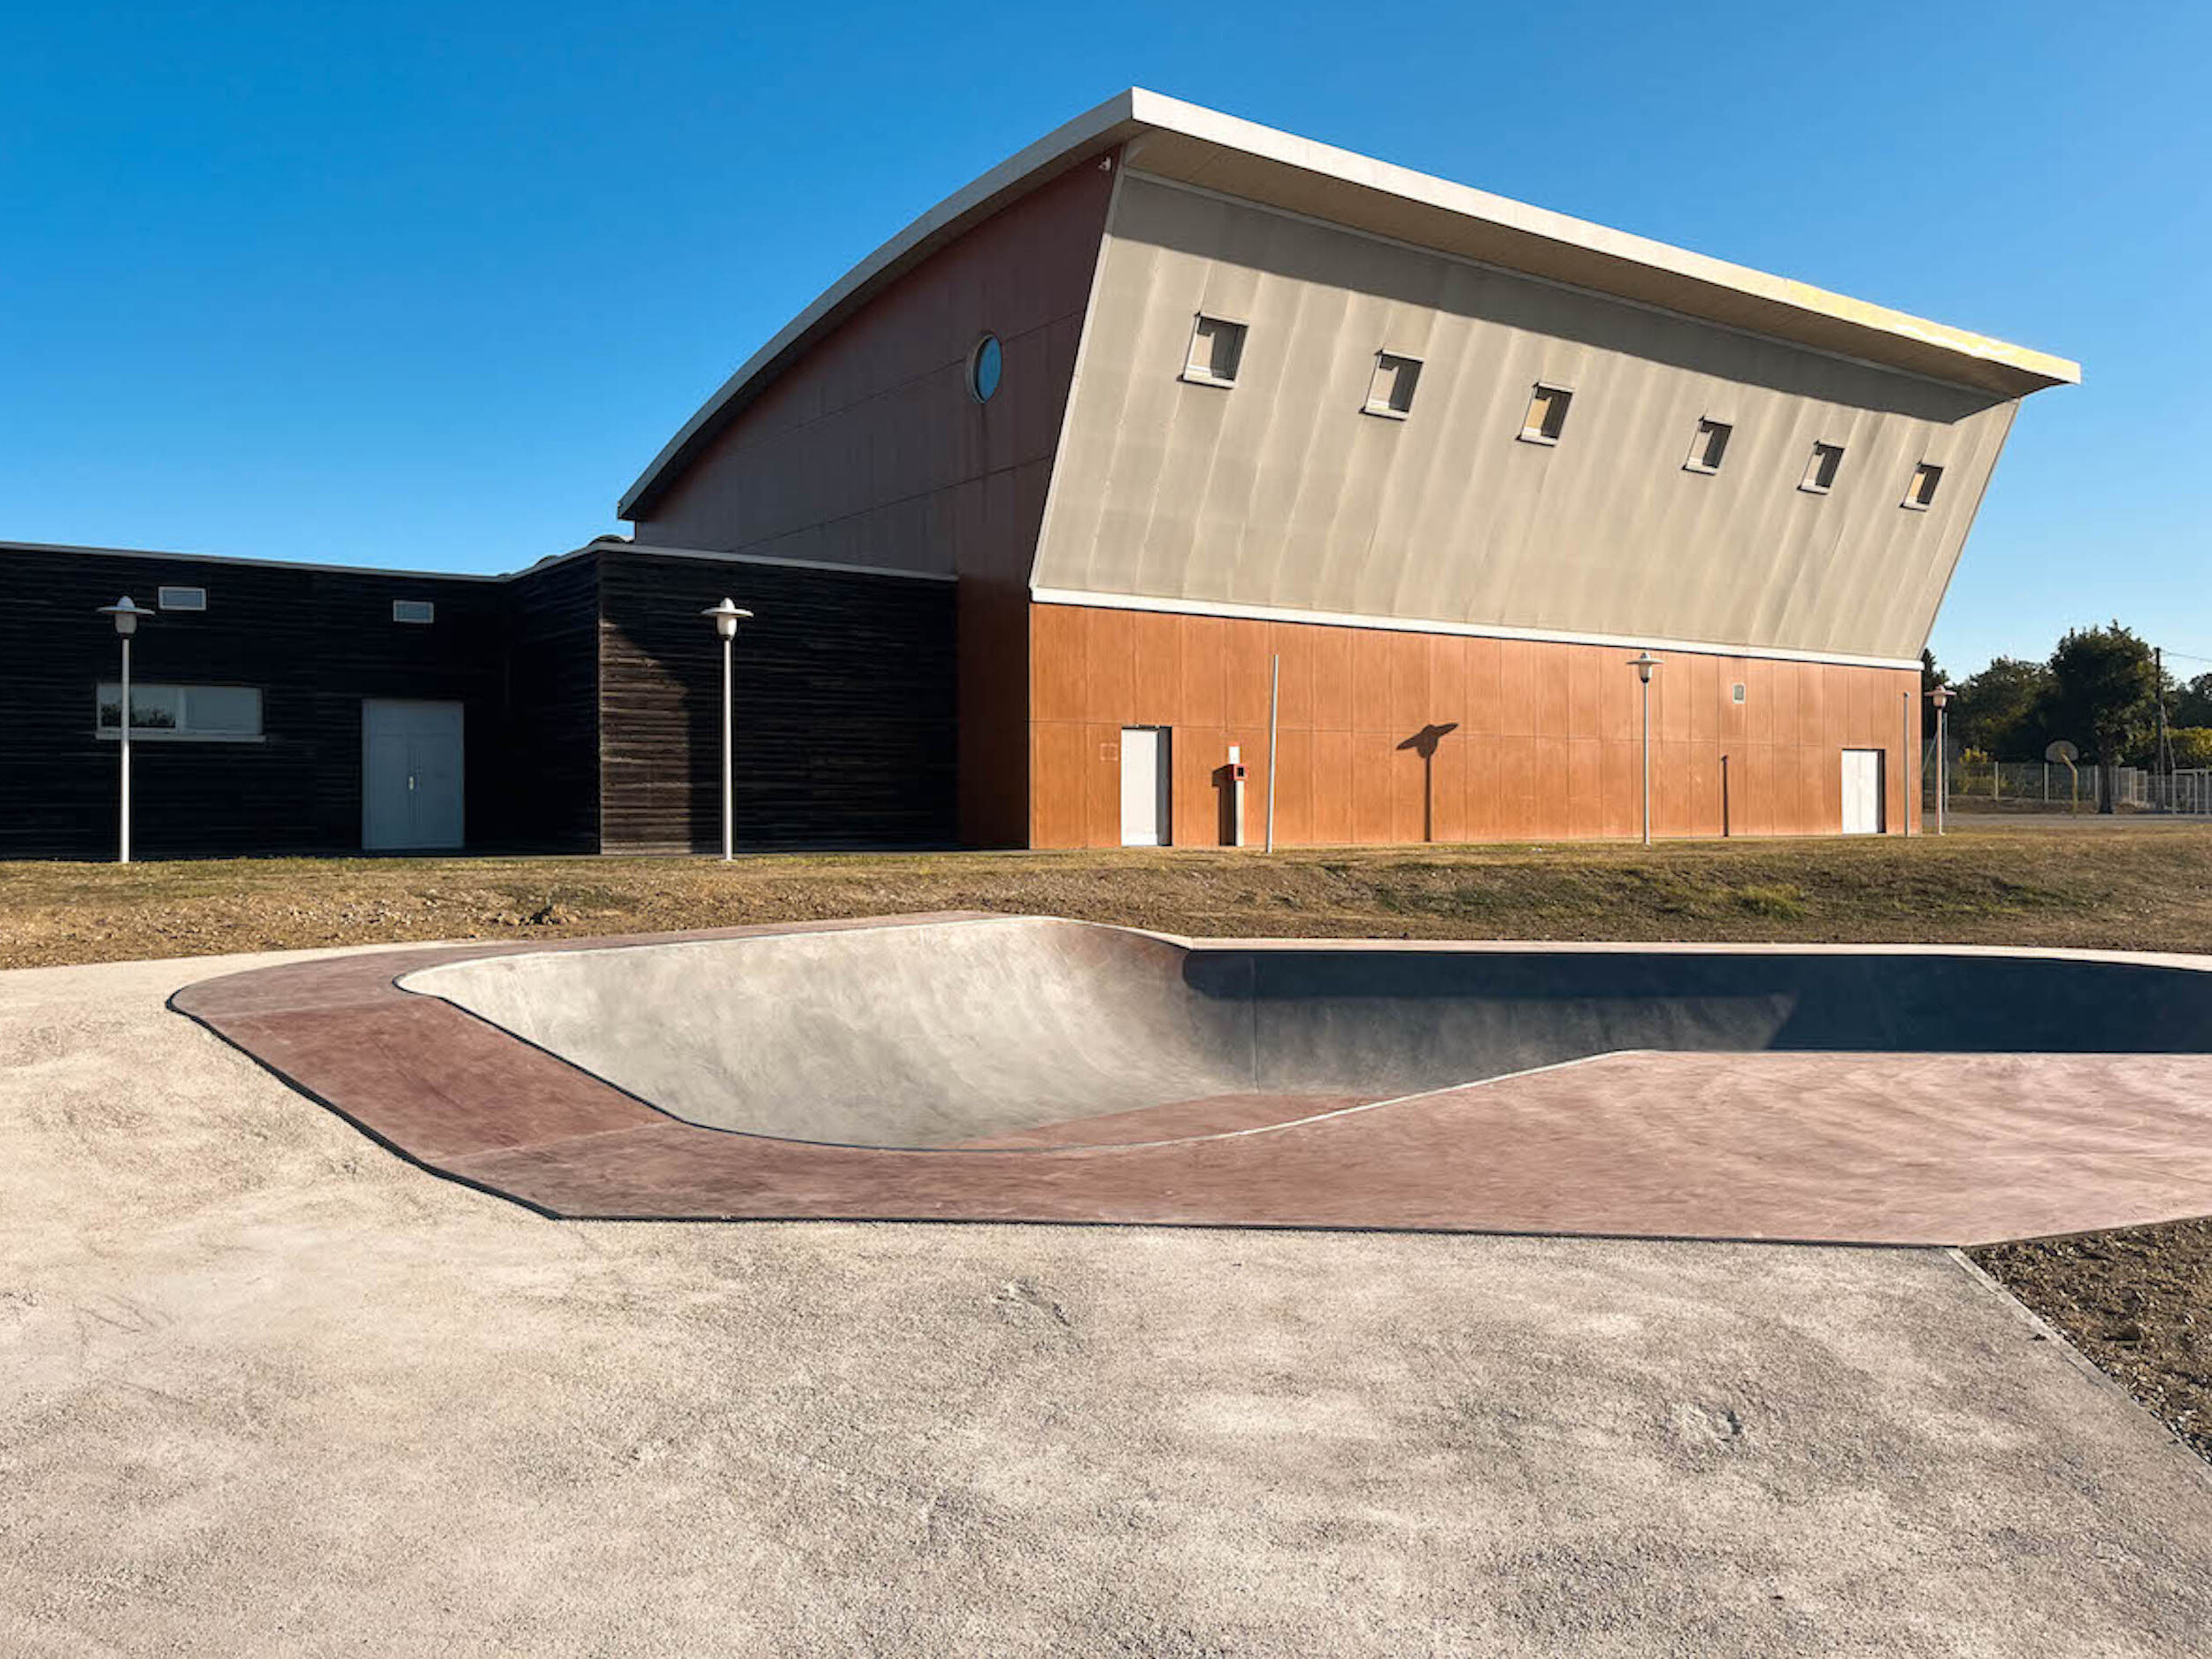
(1281, 493)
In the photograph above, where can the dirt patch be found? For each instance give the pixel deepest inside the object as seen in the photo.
(2102, 885)
(2137, 1302)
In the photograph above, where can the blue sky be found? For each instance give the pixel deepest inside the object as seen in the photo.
(427, 285)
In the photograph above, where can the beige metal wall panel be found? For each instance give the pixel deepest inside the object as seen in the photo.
(1282, 494)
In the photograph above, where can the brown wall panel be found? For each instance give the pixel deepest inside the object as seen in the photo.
(1391, 737)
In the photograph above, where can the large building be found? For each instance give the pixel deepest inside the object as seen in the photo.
(1171, 439)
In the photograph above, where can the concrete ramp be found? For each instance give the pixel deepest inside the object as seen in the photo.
(1034, 1031)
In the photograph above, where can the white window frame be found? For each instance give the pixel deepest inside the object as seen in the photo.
(1537, 434)
(165, 598)
(1918, 467)
(1197, 376)
(1379, 402)
(1695, 464)
(1810, 483)
(182, 732)
(428, 616)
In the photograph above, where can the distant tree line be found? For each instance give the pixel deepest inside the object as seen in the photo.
(2098, 690)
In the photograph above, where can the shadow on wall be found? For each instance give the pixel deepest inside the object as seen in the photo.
(1424, 743)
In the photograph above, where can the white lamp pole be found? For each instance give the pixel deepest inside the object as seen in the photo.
(1643, 663)
(727, 617)
(126, 615)
(1942, 697)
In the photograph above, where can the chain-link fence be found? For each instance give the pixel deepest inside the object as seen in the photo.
(1980, 785)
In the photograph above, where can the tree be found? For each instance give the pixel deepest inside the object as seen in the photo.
(2190, 704)
(2104, 693)
(2003, 709)
(2193, 747)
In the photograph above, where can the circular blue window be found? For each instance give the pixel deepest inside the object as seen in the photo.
(986, 363)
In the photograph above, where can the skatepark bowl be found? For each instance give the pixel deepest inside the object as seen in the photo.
(983, 1067)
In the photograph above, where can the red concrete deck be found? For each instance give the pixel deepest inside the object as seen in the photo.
(1913, 1148)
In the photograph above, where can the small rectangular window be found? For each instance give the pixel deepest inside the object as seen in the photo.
(1216, 346)
(1546, 416)
(1390, 391)
(209, 714)
(182, 599)
(1735, 692)
(414, 611)
(1707, 447)
(1820, 471)
(1920, 494)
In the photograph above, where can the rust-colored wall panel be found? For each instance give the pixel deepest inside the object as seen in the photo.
(1484, 710)
(1368, 698)
(1056, 771)
(1110, 652)
(1294, 792)
(1155, 690)
(1245, 653)
(1361, 705)
(1329, 804)
(1196, 752)
(1101, 785)
(1203, 668)
(1056, 664)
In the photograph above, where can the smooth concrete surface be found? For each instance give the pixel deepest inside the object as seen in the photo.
(945, 1033)
(266, 1389)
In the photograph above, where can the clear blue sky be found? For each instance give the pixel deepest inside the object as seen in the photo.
(428, 285)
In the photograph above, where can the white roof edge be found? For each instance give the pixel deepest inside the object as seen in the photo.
(1151, 109)
(1137, 109)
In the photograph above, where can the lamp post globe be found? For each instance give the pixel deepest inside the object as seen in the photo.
(125, 613)
(1643, 663)
(726, 617)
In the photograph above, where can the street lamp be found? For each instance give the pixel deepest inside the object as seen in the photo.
(1940, 695)
(126, 614)
(727, 617)
(1643, 663)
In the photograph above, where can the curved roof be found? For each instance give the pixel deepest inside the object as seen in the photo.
(1171, 139)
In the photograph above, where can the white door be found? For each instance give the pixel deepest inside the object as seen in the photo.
(1144, 787)
(410, 774)
(1863, 792)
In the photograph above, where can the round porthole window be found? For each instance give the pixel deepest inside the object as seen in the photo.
(986, 363)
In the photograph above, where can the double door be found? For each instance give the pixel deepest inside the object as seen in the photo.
(410, 775)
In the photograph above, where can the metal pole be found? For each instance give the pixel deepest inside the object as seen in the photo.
(1904, 759)
(1274, 702)
(729, 818)
(1646, 760)
(1943, 769)
(126, 746)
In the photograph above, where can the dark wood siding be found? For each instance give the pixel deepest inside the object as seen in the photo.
(846, 730)
(552, 692)
(315, 643)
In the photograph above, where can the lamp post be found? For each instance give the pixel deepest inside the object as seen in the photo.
(126, 614)
(1643, 663)
(727, 617)
(1942, 697)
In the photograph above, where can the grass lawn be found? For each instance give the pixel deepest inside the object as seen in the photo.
(2115, 884)
(2135, 1301)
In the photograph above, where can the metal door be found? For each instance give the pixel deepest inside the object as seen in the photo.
(1144, 787)
(1863, 792)
(410, 774)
